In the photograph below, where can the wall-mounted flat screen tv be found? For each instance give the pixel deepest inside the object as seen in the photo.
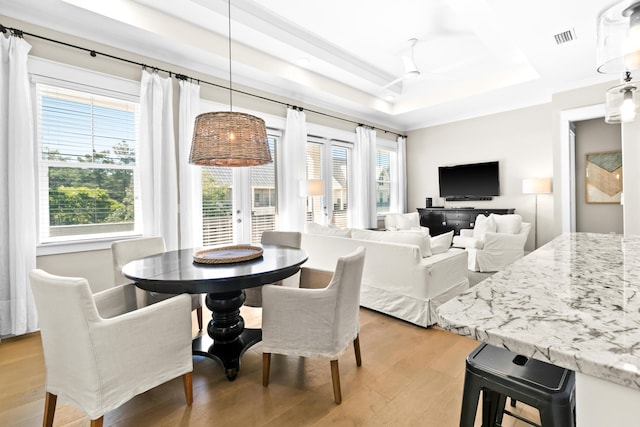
(473, 181)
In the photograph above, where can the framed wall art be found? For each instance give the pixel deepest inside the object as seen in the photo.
(603, 177)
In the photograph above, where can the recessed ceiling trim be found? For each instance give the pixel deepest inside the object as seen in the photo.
(254, 15)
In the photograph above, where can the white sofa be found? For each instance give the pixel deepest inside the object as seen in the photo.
(397, 280)
(495, 241)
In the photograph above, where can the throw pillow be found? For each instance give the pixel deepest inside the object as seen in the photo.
(397, 221)
(315, 228)
(508, 223)
(483, 225)
(408, 221)
(441, 243)
(417, 238)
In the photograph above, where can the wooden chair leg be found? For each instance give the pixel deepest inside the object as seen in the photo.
(49, 409)
(199, 317)
(97, 422)
(335, 377)
(356, 348)
(187, 381)
(266, 366)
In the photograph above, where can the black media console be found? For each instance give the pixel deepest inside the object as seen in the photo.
(441, 220)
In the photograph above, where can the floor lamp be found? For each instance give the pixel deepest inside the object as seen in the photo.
(536, 186)
(311, 188)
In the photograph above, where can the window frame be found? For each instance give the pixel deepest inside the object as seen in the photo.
(55, 74)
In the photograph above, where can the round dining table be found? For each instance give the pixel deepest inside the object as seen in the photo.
(176, 272)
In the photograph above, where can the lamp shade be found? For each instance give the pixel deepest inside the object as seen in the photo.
(536, 186)
(312, 187)
(229, 139)
(622, 103)
(619, 37)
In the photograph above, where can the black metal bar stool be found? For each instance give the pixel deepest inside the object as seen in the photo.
(500, 373)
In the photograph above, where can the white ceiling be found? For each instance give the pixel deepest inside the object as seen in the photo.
(476, 57)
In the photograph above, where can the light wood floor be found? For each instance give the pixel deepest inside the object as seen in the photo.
(410, 376)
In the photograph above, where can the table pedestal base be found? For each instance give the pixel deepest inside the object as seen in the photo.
(227, 353)
(227, 338)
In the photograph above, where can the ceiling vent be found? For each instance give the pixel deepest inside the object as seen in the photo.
(565, 36)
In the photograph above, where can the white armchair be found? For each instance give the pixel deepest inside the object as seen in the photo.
(292, 239)
(125, 251)
(100, 351)
(494, 242)
(315, 322)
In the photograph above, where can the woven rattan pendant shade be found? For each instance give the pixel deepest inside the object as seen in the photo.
(229, 139)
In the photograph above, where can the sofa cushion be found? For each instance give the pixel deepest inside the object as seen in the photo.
(418, 238)
(398, 221)
(441, 243)
(483, 225)
(315, 228)
(507, 223)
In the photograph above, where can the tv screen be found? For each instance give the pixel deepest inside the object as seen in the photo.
(471, 181)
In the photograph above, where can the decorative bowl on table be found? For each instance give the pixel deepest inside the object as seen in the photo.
(227, 254)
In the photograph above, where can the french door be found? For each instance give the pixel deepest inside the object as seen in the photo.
(238, 204)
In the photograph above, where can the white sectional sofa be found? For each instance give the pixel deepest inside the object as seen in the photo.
(397, 279)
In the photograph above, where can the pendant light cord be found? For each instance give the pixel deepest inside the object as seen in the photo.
(230, 82)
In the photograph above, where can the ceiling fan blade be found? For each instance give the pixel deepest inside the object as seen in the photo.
(399, 79)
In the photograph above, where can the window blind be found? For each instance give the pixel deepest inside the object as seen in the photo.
(87, 166)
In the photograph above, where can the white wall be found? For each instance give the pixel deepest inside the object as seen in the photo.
(520, 139)
(95, 266)
(579, 104)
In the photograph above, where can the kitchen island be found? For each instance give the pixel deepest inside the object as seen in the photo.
(575, 303)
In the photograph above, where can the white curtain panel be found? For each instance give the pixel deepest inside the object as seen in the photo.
(364, 179)
(399, 196)
(291, 169)
(190, 181)
(17, 190)
(157, 159)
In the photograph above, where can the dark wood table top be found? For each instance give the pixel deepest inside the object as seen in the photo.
(176, 272)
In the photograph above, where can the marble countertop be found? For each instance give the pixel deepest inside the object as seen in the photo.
(574, 302)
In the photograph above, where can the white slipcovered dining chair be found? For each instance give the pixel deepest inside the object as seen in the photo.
(100, 350)
(125, 251)
(292, 239)
(315, 322)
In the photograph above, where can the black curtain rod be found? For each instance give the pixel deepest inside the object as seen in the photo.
(94, 53)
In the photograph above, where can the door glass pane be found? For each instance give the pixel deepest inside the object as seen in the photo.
(340, 171)
(383, 181)
(315, 212)
(263, 202)
(217, 223)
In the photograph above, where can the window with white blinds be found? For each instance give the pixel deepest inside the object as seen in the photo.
(87, 164)
(329, 158)
(383, 180)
